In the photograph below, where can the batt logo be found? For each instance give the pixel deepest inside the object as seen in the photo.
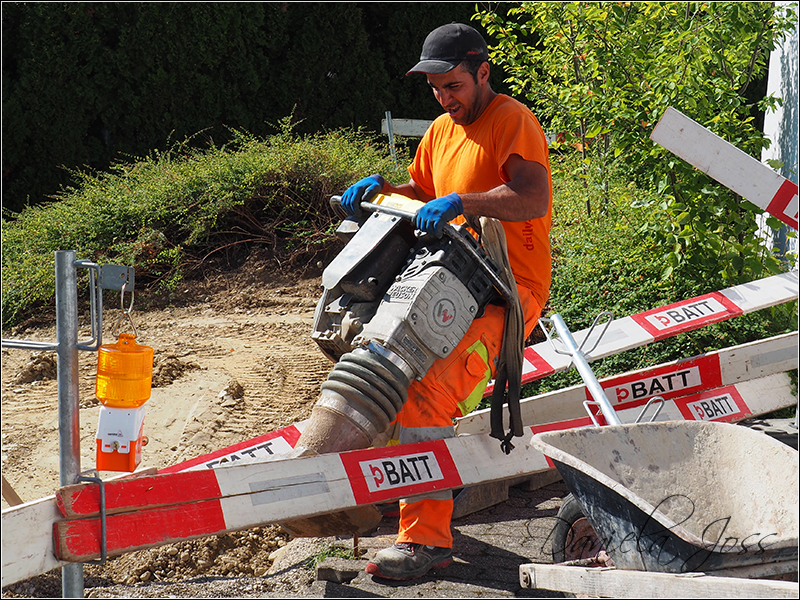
(658, 385)
(689, 312)
(397, 471)
(262, 451)
(713, 408)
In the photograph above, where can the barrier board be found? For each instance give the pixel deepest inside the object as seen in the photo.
(727, 164)
(155, 510)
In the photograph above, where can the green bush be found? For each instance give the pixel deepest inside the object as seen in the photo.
(601, 75)
(606, 261)
(168, 213)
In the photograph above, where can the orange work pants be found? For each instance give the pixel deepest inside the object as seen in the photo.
(453, 387)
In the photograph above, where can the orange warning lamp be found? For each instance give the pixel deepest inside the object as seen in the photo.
(124, 381)
(124, 373)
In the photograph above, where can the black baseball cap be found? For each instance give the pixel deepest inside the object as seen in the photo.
(447, 46)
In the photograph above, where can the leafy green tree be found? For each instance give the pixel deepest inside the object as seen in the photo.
(600, 75)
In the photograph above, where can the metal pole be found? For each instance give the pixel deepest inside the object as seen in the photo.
(585, 370)
(390, 131)
(69, 453)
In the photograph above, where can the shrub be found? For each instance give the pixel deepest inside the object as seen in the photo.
(607, 262)
(601, 75)
(169, 212)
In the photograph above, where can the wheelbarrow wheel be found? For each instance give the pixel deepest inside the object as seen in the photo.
(574, 537)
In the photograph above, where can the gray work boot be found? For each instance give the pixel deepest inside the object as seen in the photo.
(408, 561)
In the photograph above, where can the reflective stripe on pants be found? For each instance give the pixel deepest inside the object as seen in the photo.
(453, 387)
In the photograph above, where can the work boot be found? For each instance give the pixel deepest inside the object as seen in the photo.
(408, 561)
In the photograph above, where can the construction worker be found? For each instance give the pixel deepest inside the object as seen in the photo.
(486, 156)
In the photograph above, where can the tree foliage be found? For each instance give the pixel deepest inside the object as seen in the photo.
(600, 75)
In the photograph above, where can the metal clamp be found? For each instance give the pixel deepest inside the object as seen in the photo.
(103, 531)
(125, 313)
(610, 317)
(660, 400)
(95, 306)
(108, 277)
(587, 404)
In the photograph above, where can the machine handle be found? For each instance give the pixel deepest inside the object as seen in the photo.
(449, 231)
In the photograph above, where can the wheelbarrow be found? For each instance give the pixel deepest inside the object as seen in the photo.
(680, 496)
(677, 496)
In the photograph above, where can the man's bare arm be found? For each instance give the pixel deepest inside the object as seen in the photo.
(525, 196)
(409, 190)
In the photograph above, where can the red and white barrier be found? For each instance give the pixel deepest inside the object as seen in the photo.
(677, 379)
(152, 511)
(644, 328)
(730, 166)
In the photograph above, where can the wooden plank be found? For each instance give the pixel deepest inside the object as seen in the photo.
(263, 447)
(759, 358)
(660, 323)
(254, 494)
(728, 165)
(27, 541)
(615, 583)
(764, 293)
(10, 494)
(126, 495)
(669, 380)
(406, 127)
(27, 544)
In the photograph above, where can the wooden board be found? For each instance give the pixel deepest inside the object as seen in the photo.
(27, 542)
(606, 582)
(730, 166)
(406, 127)
(670, 380)
(229, 498)
(541, 360)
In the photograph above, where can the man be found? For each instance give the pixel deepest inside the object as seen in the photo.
(486, 156)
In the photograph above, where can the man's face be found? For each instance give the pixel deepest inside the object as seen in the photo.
(458, 93)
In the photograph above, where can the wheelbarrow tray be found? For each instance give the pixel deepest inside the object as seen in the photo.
(680, 496)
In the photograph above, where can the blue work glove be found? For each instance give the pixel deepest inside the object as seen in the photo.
(361, 191)
(432, 217)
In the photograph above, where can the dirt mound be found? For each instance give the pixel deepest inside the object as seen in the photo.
(167, 368)
(239, 554)
(41, 366)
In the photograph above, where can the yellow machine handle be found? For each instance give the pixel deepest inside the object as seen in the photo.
(397, 201)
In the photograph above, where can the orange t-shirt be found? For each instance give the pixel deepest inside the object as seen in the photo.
(463, 159)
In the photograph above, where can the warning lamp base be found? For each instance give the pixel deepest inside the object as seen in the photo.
(120, 438)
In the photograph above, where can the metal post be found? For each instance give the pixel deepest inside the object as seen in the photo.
(580, 362)
(390, 133)
(69, 453)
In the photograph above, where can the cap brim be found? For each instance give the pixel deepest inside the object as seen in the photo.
(437, 67)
